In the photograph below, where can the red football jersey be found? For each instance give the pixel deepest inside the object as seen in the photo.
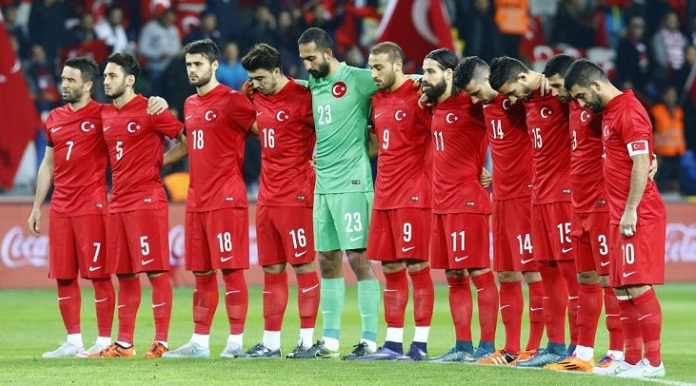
(511, 150)
(404, 157)
(216, 128)
(459, 152)
(547, 125)
(286, 132)
(79, 156)
(136, 144)
(627, 131)
(586, 177)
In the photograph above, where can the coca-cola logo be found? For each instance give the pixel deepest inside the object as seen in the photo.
(20, 250)
(680, 243)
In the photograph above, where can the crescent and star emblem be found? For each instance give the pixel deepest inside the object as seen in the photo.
(584, 116)
(547, 114)
(132, 127)
(210, 115)
(86, 126)
(281, 116)
(399, 115)
(451, 118)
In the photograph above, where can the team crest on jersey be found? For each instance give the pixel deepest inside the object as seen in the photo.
(506, 104)
(282, 116)
(451, 118)
(585, 116)
(399, 115)
(211, 115)
(545, 112)
(606, 131)
(133, 127)
(339, 89)
(87, 126)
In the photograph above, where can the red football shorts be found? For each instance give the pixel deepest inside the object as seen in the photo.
(217, 239)
(551, 232)
(512, 235)
(639, 259)
(460, 241)
(77, 243)
(590, 235)
(138, 241)
(398, 234)
(284, 234)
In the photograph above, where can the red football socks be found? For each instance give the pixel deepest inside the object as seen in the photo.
(555, 302)
(128, 302)
(161, 304)
(69, 302)
(590, 304)
(612, 314)
(275, 300)
(650, 321)
(511, 308)
(104, 302)
(536, 314)
(308, 294)
(395, 298)
(487, 299)
(205, 302)
(461, 306)
(236, 300)
(423, 296)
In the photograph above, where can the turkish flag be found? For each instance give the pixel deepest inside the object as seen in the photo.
(18, 116)
(417, 26)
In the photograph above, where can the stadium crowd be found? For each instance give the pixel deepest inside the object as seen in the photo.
(653, 45)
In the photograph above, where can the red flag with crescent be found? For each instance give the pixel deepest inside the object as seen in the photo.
(417, 26)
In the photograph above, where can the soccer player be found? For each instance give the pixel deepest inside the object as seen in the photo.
(511, 152)
(459, 241)
(137, 225)
(218, 120)
(547, 125)
(589, 228)
(637, 215)
(284, 230)
(75, 162)
(400, 224)
(343, 194)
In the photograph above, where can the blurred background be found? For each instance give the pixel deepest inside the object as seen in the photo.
(646, 45)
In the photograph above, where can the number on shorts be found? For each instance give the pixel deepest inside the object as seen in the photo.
(629, 253)
(462, 240)
(353, 222)
(525, 241)
(298, 238)
(144, 246)
(70, 145)
(564, 232)
(603, 247)
(225, 241)
(97, 248)
(408, 232)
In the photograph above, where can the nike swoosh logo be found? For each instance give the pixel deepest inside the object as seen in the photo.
(644, 316)
(566, 250)
(106, 128)
(60, 299)
(92, 269)
(187, 117)
(536, 309)
(224, 259)
(257, 114)
(479, 289)
(305, 290)
(505, 306)
(146, 262)
(158, 304)
(407, 249)
(389, 290)
(232, 292)
(527, 261)
(267, 292)
(572, 297)
(354, 239)
(300, 254)
(99, 300)
(604, 264)
(121, 306)
(53, 130)
(610, 315)
(457, 259)
(629, 274)
(377, 115)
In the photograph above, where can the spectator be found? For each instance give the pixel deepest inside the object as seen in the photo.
(289, 31)
(9, 13)
(688, 97)
(608, 23)
(479, 31)
(47, 25)
(668, 46)
(669, 143)
(230, 17)
(83, 32)
(111, 30)
(632, 57)
(263, 29)
(230, 71)
(207, 29)
(42, 80)
(571, 25)
(159, 43)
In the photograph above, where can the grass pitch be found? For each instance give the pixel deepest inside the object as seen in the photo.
(30, 324)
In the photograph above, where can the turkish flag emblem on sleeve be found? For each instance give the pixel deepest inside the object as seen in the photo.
(638, 147)
(18, 116)
(417, 26)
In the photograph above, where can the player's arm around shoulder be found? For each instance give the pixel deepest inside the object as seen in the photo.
(363, 80)
(178, 151)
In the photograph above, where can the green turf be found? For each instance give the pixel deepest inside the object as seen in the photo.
(30, 324)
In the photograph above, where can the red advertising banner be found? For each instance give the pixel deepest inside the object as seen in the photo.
(24, 258)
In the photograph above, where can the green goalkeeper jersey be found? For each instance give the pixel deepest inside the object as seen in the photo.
(341, 105)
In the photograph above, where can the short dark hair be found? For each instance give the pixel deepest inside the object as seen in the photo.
(262, 56)
(205, 47)
(582, 73)
(391, 49)
(127, 61)
(87, 66)
(468, 69)
(558, 65)
(505, 69)
(444, 57)
(317, 36)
